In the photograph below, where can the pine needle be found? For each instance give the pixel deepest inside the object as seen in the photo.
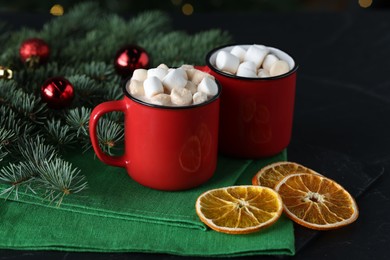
(59, 179)
(17, 176)
(78, 120)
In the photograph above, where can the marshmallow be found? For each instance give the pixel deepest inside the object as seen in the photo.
(278, 68)
(247, 69)
(256, 54)
(199, 97)
(187, 67)
(191, 73)
(250, 65)
(161, 99)
(183, 86)
(181, 96)
(245, 72)
(263, 73)
(198, 76)
(208, 86)
(175, 79)
(182, 72)
(239, 52)
(269, 60)
(140, 74)
(227, 62)
(160, 73)
(135, 88)
(191, 87)
(163, 66)
(153, 86)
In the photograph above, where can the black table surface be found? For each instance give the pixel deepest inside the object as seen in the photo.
(341, 119)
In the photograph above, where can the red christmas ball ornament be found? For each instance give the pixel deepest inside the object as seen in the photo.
(57, 92)
(34, 51)
(130, 58)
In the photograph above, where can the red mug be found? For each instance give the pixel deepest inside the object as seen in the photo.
(256, 114)
(166, 148)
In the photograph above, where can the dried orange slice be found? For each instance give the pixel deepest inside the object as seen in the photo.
(316, 202)
(271, 174)
(239, 209)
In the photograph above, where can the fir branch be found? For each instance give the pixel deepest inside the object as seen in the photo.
(60, 134)
(149, 24)
(3, 154)
(88, 91)
(59, 179)
(110, 135)
(114, 91)
(35, 150)
(8, 89)
(173, 48)
(10, 55)
(80, 19)
(100, 71)
(9, 121)
(6, 136)
(205, 41)
(31, 79)
(108, 41)
(30, 106)
(24, 104)
(17, 176)
(78, 120)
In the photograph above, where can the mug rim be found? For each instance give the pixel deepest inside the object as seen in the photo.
(127, 94)
(213, 68)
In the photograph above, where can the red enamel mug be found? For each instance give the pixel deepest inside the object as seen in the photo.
(256, 114)
(166, 148)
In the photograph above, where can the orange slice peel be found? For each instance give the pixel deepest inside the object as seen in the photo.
(271, 174)
(239, 209)
(316, 202)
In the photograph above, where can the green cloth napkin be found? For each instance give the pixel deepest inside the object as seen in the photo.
(117, 214)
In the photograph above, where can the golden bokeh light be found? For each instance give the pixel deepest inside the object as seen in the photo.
(365, 3)
(57, 10)
(187, 9)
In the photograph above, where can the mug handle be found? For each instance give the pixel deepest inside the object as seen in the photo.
(97, 112)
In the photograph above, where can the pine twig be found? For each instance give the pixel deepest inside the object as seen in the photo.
(61, 134)
(59, 179)
(17, 176)
(78, 120)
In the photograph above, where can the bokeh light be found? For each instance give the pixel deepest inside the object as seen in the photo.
(365, 3)
(187, 9)
(57, 10)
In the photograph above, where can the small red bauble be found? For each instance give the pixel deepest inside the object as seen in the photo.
(34, 51)
(130, 58)
(57, 92)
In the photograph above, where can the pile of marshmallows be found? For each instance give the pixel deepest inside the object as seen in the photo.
(255, 62)
(165, 86)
